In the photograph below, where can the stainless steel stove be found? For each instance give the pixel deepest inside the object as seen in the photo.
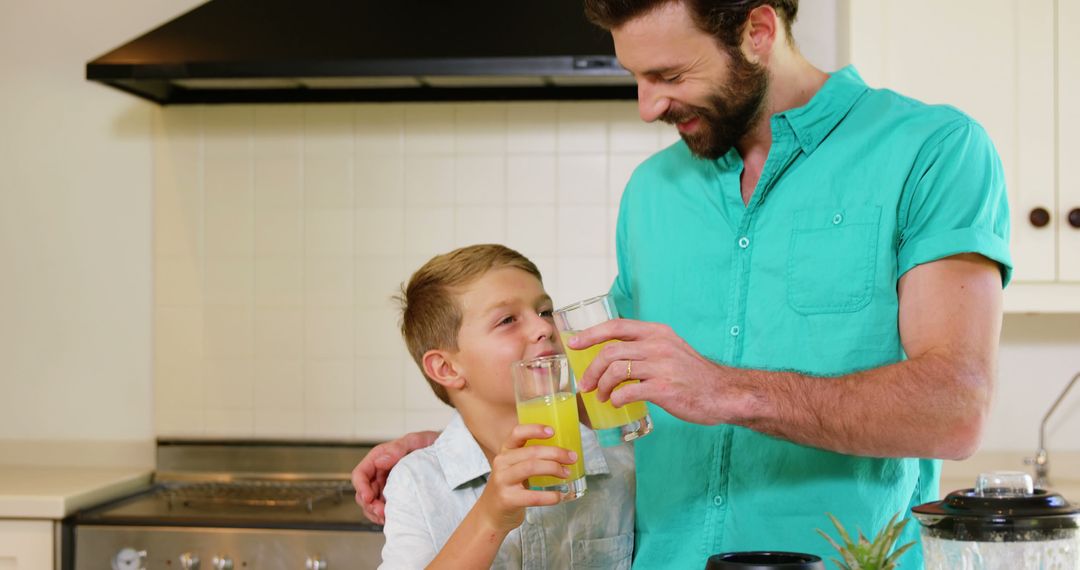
(233, 505)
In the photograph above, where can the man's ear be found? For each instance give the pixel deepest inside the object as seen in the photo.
(440, 367)
(762, 30)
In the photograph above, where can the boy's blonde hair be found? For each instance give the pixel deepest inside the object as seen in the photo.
(430, 311)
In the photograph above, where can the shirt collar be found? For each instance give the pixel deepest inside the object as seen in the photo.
(463, 461)
(812, 122)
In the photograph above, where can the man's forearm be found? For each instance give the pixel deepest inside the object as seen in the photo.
(931, 406)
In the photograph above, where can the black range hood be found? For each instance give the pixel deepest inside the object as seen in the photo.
(276, 51)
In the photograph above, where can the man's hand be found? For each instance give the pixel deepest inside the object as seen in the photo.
(507, 494)
(369, 476)
(672, 374)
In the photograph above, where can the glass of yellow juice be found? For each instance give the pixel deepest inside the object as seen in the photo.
(618, 424)
(545, 393)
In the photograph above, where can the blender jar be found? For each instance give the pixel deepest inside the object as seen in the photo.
(1001, 524)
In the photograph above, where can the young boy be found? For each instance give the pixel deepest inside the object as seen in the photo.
(462, 502)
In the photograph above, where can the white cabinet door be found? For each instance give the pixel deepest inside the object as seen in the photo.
(26, 545)
(1068, 59)
(992, 59)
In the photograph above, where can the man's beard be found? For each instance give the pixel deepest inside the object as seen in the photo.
(733, 110)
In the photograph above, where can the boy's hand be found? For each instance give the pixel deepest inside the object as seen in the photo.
(506, 495)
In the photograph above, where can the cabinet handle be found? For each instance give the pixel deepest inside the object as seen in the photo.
(1074, 218)
(1039, 217)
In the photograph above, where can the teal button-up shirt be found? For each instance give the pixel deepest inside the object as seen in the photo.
(860, 185)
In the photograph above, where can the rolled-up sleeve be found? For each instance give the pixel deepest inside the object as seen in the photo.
(955, 201)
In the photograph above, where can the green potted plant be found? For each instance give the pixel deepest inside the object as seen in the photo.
(876, 554)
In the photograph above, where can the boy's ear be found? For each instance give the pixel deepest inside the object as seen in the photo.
(440, 367)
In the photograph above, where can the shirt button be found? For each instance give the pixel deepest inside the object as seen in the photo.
(744, 242)
(718, 500)
(837, 218)
(735, 330)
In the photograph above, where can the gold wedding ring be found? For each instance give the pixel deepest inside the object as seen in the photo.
(628, 363)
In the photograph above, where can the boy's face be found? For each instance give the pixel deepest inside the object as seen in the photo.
(506, 316)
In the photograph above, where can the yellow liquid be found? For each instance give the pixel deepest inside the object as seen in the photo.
(602, 415)
(559, 412)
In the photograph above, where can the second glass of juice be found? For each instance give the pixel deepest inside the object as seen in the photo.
(618, 424)
(546, 394)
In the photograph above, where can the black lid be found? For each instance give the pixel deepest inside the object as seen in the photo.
(1001, 507)
(764, 561)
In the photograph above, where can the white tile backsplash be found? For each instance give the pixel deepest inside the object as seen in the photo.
(378, 279)
(530, 179)
(230, 422)
(379, 181)
(429, 231)
(429, 180)
(329, 385)
(180, 385)
(229, 331)
(479, 224)
(178, 335)
(328, 424)
(380, 231)
(379, 130)
(230, 384)
(177, 281)
(379, 384)
(279, 281)
(329, 282)
(377, 333)
(329, 232)
(480, 128)
(378, 425)
(582, 230)
(423, 420)
(281, 233)
(275, 423)
(531, 127)
(229, 280)
(582, 179)
(280, 180)
(429, 129)
(328, 333)
(279, 333)
(328, 132)
(480, 180)
(582, 128)
(532, 230)
(278, 132)
(328, 182)
(279, 384)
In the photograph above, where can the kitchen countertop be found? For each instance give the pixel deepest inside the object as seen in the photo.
(53, 492)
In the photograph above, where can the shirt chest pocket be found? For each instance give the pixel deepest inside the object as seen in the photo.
(611, 553)
(831, 259)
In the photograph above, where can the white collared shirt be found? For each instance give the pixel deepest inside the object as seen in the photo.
(431, 490)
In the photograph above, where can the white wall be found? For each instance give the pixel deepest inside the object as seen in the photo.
(818, 32)
(75, 257)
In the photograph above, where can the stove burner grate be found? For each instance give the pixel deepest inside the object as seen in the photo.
(265, 494)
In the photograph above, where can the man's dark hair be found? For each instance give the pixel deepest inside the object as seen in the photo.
(723, 19)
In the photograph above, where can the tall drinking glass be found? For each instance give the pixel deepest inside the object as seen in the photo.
(617, 424)
(545, 393)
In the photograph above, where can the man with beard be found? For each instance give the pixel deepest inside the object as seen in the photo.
(812, 284)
